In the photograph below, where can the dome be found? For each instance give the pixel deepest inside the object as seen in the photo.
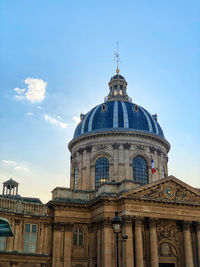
(118, 113)
(118, 116)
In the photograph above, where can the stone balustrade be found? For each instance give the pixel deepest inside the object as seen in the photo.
(22, 207)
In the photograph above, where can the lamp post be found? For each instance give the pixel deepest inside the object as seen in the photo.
(117, 226)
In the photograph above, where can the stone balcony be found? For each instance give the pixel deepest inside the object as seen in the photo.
(23, 207)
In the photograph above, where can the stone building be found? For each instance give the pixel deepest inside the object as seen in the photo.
(119, 158)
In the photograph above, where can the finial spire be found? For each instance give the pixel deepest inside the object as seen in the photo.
(117, 59)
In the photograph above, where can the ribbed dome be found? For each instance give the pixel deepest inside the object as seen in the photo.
(118, 116)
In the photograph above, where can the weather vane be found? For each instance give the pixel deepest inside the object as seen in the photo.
(117, 59)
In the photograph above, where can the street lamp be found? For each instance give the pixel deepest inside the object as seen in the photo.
(117, 226)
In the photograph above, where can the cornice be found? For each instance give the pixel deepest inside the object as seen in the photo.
(144, 135)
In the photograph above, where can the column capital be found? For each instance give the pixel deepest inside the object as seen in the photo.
(186, 225)
(17, 221)
(152, 222)
(198, 226)
(127, 220)
(138, 220)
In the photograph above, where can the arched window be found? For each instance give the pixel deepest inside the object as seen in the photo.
(101, 171)
(76, 177)
(140, 170)
(163, 172)
(78, 236)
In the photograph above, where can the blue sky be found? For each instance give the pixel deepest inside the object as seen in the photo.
(65, 50)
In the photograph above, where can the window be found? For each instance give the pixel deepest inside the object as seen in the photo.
(78, 237)
(101, 171)
(2, 243)
(76, 177)
(163, 172)
(140, 170)
(30, 238)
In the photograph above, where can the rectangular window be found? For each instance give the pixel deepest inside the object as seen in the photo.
(2, 243)
(30, 238)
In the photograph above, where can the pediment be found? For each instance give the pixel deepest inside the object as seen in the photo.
(169, 189)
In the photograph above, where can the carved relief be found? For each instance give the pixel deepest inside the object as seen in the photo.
(167, 234)
(166, 250)
(170, 191)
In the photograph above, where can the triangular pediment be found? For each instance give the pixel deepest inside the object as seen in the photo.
(169, 189)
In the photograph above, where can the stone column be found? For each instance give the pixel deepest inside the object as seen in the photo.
(128, 255)
(56, 246)
(107, 244)
(138, 242)
(153, 243)
(198, 240)
(187, 245)
(68, 245)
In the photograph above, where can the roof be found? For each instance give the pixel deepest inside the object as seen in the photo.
(118, 116)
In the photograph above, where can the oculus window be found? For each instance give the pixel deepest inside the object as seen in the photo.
(101, 171)
(30, 238)
(78, 236)
(140, 170)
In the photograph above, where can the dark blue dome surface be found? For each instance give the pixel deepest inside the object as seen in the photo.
(118, 116)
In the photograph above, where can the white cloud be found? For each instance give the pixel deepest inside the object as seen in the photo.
(76, 119)
(34, 93)
(14, 164)
(29, 114)
(20, 168)
(19, 91)
(55, 121)
(9, 162)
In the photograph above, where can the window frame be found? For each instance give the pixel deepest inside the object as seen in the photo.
(142, 171)
(30, 245)
(78, 237)
(102, 166)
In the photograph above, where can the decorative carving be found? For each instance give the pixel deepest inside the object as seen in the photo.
(88, 149)
(99, 147)
(167, 231)
(126, 146)
(170, 191)
(140, 147)
(80, 151)
(159, 152)
(152, 149)
(167, 250)
(115, 146)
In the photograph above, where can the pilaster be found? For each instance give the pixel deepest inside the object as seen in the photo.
(153, 243)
